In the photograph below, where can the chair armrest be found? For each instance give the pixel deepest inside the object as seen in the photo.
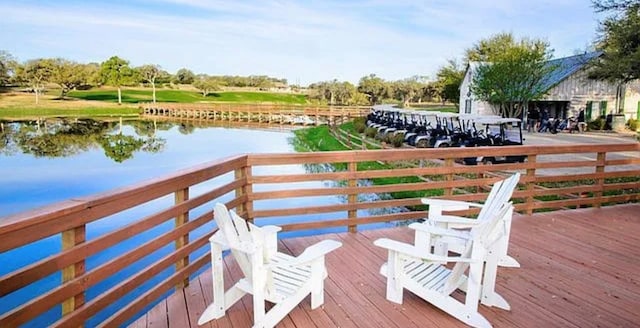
(219, 239)
(433, 230)
(451, 205)
(455, 220)
(416, 252)
(312, 253)
(271, 229)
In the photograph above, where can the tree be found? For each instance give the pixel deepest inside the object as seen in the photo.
(406, 90)
(115, 71)
(67, 74)
(374, 87)
(619, 41)
(206, 85)
(492, 48)
(515, 76)
(184, 76)
(149, 73)
(449, 78)
(35, 73)
(7, 67)
(609, 5)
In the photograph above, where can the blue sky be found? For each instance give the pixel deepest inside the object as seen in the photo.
(304, 41)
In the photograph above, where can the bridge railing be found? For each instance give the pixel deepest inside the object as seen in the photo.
(369, 183)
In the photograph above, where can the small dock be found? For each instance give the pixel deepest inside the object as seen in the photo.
(579, 269)
(257, 113)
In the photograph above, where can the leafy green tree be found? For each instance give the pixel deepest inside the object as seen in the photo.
(374, 87)
(116, 72)
(494, 47)
(67, 74)
(407, 89)
(609, 5)
(184, 76)
(514, 77)
(449, 78)
(619, 41)
(206, 85)
(35, 73)
(151, 73)
(7, 67)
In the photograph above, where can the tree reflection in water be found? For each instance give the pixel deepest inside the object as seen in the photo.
(66, 137)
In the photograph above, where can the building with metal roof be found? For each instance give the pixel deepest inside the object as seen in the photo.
(568, 89)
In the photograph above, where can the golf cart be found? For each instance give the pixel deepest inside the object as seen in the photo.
(496, 132)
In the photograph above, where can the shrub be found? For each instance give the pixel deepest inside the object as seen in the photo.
(370, 132)
(633, 124)
(362, 120)
(597, 124)
(360, 127)
(397, 140)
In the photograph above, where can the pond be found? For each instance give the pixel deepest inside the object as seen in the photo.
(43, 162)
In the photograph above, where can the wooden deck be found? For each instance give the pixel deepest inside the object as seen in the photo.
(579, 269)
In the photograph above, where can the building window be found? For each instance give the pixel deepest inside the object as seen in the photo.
(467, 106)
(588, 111)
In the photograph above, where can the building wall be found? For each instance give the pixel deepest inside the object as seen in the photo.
(478, 107)
(632, 100)
(578, 89)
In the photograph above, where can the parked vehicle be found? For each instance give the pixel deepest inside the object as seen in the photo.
(496, 132)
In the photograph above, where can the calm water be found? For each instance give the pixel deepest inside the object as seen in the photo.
(46, 162)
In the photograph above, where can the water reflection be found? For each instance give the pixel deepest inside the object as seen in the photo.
(64, 137)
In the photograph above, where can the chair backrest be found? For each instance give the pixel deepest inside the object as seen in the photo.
(499, 195)
(239, 234)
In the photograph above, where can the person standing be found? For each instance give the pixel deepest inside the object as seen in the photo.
(582, 125)
(532, 119)
(544, 121)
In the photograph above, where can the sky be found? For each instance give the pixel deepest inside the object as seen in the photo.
(304, 41)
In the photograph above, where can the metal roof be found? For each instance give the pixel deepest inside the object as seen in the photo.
(566, 66)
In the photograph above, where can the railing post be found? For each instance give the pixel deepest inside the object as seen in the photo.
(181, 196)
(531, 176)
(70, 239)
(448, 162)
(600, 164)
(353, 197)
(245, 208)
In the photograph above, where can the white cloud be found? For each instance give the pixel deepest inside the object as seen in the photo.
(309, 41)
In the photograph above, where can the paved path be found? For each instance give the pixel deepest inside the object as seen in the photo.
(582, 138)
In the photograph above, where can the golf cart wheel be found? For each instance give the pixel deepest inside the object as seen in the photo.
(443, 145)
(422, 143)
(488, 161)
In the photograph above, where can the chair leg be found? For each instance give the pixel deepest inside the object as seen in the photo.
(394, 276)
(317, 283)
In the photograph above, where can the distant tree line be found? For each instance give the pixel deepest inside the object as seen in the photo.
(115, 71)
(372, 89)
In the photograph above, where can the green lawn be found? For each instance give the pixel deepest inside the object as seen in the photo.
(183, 96)
(68, 112)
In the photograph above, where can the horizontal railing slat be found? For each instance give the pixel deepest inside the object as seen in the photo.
(43, 268)
(108, 297)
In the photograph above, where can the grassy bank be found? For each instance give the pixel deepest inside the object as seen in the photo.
(134, 96)
(19, 105)
(320, 139)
(101, 102)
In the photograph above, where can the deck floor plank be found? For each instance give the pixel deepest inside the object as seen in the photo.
(579, 269)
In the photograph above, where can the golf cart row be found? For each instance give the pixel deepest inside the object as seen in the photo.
(427, 129)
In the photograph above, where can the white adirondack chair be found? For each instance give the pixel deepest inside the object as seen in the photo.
(268, 275)
(424, 274)
(499, 195)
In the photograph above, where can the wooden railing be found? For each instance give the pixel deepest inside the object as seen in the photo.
(271, 113)
(554, 177)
